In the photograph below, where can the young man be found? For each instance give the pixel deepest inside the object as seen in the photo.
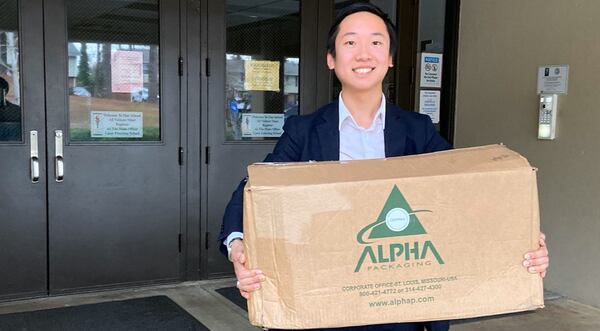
(360, 125)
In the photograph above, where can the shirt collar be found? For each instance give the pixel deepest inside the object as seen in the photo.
(344, 113)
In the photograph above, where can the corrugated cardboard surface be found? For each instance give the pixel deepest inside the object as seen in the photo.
(418, 238)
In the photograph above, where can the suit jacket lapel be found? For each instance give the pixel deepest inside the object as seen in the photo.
(328, 133)
(394, 133)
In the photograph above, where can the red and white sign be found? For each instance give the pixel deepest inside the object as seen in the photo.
(127, 71)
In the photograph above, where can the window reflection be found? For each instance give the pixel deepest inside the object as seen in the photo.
(262, 76)
(113, 70)
(10, 87)
(291, 84)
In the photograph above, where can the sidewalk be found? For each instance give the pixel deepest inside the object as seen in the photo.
(217, 313)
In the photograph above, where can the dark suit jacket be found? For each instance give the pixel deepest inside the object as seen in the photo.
(317, 137)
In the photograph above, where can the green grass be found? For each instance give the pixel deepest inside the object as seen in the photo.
(80, 134)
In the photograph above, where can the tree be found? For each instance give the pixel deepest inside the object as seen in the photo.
(153, 72)
(83, 77)
(103, 72)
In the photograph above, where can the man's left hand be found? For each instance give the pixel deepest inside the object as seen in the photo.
(537, 261)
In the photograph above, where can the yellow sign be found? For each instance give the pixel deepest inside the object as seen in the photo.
(261, 75)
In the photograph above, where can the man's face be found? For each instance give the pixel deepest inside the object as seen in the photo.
(362, 50)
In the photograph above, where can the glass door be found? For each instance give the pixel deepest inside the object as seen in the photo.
(254, 51)
(113, 132)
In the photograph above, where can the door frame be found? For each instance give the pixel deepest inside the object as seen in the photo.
(57, 117)
(312, 69)
(193, 98)
(32, 92)
(450, 70)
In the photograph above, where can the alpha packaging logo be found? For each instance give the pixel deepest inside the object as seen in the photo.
(396, 220)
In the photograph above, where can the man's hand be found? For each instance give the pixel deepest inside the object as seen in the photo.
(537, 261)
(248, 280)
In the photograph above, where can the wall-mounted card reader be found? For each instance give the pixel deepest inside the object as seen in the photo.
(547, 120)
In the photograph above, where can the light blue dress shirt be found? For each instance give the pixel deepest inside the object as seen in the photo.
(357, 143)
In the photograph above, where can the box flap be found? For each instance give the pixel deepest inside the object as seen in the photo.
(467, 160)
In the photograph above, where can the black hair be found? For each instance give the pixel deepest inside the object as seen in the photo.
(356, 8)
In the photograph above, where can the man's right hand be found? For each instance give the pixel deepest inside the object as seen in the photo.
(248, 279)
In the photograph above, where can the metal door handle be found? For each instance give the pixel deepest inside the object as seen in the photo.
(34, 158)
(59, 167)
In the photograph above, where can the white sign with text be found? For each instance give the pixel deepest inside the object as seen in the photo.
(114, 124)
(429, 104)
(262, 125)
(431, 70)
(553, 79)
(127, 71)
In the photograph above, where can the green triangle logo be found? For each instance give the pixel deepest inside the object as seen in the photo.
(396, 219)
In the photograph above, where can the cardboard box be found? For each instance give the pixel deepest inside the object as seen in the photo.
(417, 238)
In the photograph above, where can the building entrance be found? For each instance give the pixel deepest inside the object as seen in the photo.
(90, 170)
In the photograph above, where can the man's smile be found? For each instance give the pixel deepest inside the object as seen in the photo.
(363, 70)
